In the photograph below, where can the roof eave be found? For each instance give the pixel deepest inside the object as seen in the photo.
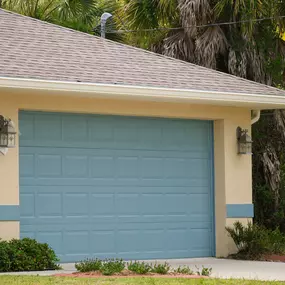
(81, 89)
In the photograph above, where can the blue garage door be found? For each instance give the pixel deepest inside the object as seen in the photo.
(113, 186)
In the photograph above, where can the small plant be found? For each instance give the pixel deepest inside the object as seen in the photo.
(276, 244)
(183, 270)
(254, 241)
(204, 272)
(139, 267)
(112, 266)
(89, 265)
(161, 268)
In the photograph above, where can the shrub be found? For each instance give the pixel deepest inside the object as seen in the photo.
(89, 265)
(276, 242)
(254, 241)
(183, 270)
(204, 272)
(5, 260)
(250, 240)
(161, 268)
(139, 267)
(26, 255)
(112, 266)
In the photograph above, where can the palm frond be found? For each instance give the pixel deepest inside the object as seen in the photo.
(209, 44)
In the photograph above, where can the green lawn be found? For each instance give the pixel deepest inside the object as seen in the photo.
(35, 280)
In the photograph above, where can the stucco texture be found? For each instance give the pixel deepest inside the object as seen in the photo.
(233, 182)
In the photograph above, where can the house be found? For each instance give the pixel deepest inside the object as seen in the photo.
(121, 152)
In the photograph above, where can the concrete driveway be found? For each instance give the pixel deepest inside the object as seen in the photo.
(226, 268)
(222, 268)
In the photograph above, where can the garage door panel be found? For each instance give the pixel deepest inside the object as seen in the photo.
(27, 165)
(131, 132)
(75, 166)
(102, 204)
(103, 242)
(76, 183)
(46, 122)
(48, 204)
(106, 186)
(76, 204)
(152, 240)
(28, 199)
(54, 239)
(105, 207)
(74, 129)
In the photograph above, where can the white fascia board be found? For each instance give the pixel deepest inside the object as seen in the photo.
(146, 93)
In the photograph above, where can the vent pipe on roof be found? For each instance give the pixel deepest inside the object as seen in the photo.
(104, 19)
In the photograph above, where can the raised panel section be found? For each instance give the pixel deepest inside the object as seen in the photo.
(176, 204)
(76, 205)
(54, 239)
(127, 241)
(49, 204)
(75, 166)
(155, 204)
(153, 240)
(27, 165)
(74, 129)
(48, 128)
(77, 242)
(152, 168)
(28, 200)
(127, 204)
(99, 130)
(128, 167)
(102, 204)
(102, 167)
(177, 239)
(48, 165)
(103, 242)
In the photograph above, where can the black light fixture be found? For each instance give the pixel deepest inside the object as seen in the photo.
(7, 133)
(244, 141)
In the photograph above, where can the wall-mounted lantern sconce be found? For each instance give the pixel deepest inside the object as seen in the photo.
(7, 133)
(244, 141)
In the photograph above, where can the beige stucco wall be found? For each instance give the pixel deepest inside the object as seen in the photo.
(9, 229)
(232, 172)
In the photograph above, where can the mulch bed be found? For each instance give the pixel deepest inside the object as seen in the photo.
(275, 258)
(269, 258)
(127, 273)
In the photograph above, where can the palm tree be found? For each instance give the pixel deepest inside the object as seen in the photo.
(83, 15)
(241, 49)
(248, 47)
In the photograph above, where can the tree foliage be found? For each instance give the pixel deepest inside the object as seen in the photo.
(83, 15)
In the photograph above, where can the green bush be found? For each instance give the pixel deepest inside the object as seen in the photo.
(5, 260)
(161, 268)
(139, 267)
(204, 272)
(112, 266)
(89, 265)
(254, 241)
(183, 270)
(26, 255)
(276, 242)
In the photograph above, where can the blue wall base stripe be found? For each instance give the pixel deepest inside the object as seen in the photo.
(9, 212)
(240, 210)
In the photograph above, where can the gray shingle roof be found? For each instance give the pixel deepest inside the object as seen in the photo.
(30, 48)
